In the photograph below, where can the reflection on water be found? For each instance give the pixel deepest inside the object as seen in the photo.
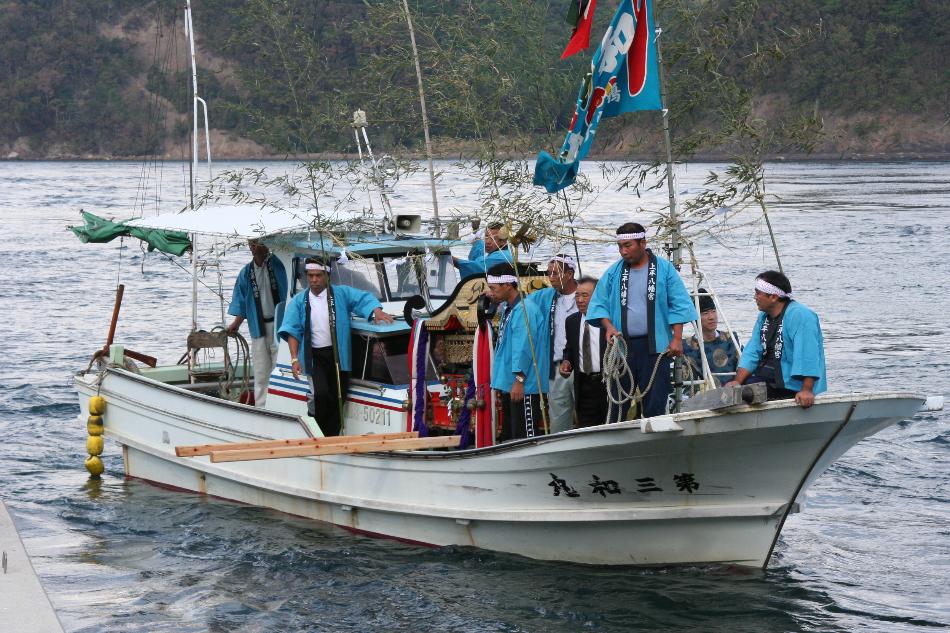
(864, 244)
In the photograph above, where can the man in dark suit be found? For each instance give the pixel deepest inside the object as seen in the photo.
(584, 351)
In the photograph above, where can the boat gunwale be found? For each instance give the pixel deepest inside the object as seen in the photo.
(701, 415)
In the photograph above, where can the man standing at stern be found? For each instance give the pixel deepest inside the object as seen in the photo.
(260, 288)
(515, 371)
(556, 304)
(786, 350)
(643, 295)
(319, 317)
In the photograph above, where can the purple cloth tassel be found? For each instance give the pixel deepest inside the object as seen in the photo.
(419, 397)
(462, 428)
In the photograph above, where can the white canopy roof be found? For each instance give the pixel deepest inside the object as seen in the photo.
(236, 221)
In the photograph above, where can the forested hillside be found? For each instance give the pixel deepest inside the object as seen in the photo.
(110, 78)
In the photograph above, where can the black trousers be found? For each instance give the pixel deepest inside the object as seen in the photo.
(641, 363)
(328, 394)
(521, 419)
(590, 399)
(771, 392)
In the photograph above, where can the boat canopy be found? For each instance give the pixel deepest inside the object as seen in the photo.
(230, 221)
(365, 243)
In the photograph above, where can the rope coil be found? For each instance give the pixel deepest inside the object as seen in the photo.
(616, 373)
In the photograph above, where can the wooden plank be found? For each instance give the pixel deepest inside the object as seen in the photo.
(336, 449)
(207, 449)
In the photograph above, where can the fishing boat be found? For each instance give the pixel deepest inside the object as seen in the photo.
(705, 486)
(417, 460)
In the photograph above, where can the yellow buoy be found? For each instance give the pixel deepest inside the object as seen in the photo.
(97, 405)
(94, 445)
(95, 428)
(95, 466)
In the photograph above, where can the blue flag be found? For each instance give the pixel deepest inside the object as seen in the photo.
(624, 77)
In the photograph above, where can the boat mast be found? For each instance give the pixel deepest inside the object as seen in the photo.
(193, 165)
(425, 117)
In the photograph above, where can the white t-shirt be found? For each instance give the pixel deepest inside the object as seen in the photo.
(319, 320)
(565, 307)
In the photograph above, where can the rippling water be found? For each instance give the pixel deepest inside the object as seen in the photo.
(864, 244)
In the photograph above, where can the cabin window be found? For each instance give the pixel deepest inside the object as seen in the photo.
(382, 360)
(362, 274)
(402, 275)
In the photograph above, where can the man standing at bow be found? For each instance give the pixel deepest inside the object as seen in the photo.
(556, 304)
(319, 317)
(517, 357)
(643, 295)
(786, 350)
(495, 251)
(260, 288)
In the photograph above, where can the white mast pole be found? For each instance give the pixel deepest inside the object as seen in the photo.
(194, 163)
(425, 118)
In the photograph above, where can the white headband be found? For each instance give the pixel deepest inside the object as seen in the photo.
(312, 266)
(623, 237)
(502, 279)
(567, 260)
(769, 289)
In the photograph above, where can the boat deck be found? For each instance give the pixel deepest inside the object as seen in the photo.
(24, 605)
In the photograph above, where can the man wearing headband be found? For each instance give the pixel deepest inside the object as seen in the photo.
(495, 252)
(513, 370)
(786, 350)
(319, 317)
(643, 295)
(556, 304)
(721, 350)
(259, 290)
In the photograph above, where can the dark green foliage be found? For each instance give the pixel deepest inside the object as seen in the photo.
(288, 74)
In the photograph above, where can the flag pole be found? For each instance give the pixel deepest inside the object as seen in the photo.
(675, 246)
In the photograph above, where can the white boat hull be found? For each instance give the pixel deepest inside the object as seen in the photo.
(716, 491)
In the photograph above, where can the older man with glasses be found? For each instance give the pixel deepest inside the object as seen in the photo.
(556, 304)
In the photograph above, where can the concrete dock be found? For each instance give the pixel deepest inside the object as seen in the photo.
(24, 605)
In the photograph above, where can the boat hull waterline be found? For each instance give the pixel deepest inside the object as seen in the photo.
(707, 487)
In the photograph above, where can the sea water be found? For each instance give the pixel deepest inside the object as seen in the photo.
(865, 245)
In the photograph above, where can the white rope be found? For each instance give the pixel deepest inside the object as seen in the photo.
(616, 372)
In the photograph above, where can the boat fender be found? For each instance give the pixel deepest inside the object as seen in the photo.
(660, 424)
(94, 445)
(97, 405)
(94, 425)
(95, 466)
(95, 442)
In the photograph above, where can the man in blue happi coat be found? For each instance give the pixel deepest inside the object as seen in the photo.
(319, 317)
(515, 374)
(495, 252)
(643, 295)
(258, 295)
(786, 350)
(720, 348)
(478, 243)
(556, 303)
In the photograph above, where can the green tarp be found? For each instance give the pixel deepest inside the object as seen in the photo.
(99, 230)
